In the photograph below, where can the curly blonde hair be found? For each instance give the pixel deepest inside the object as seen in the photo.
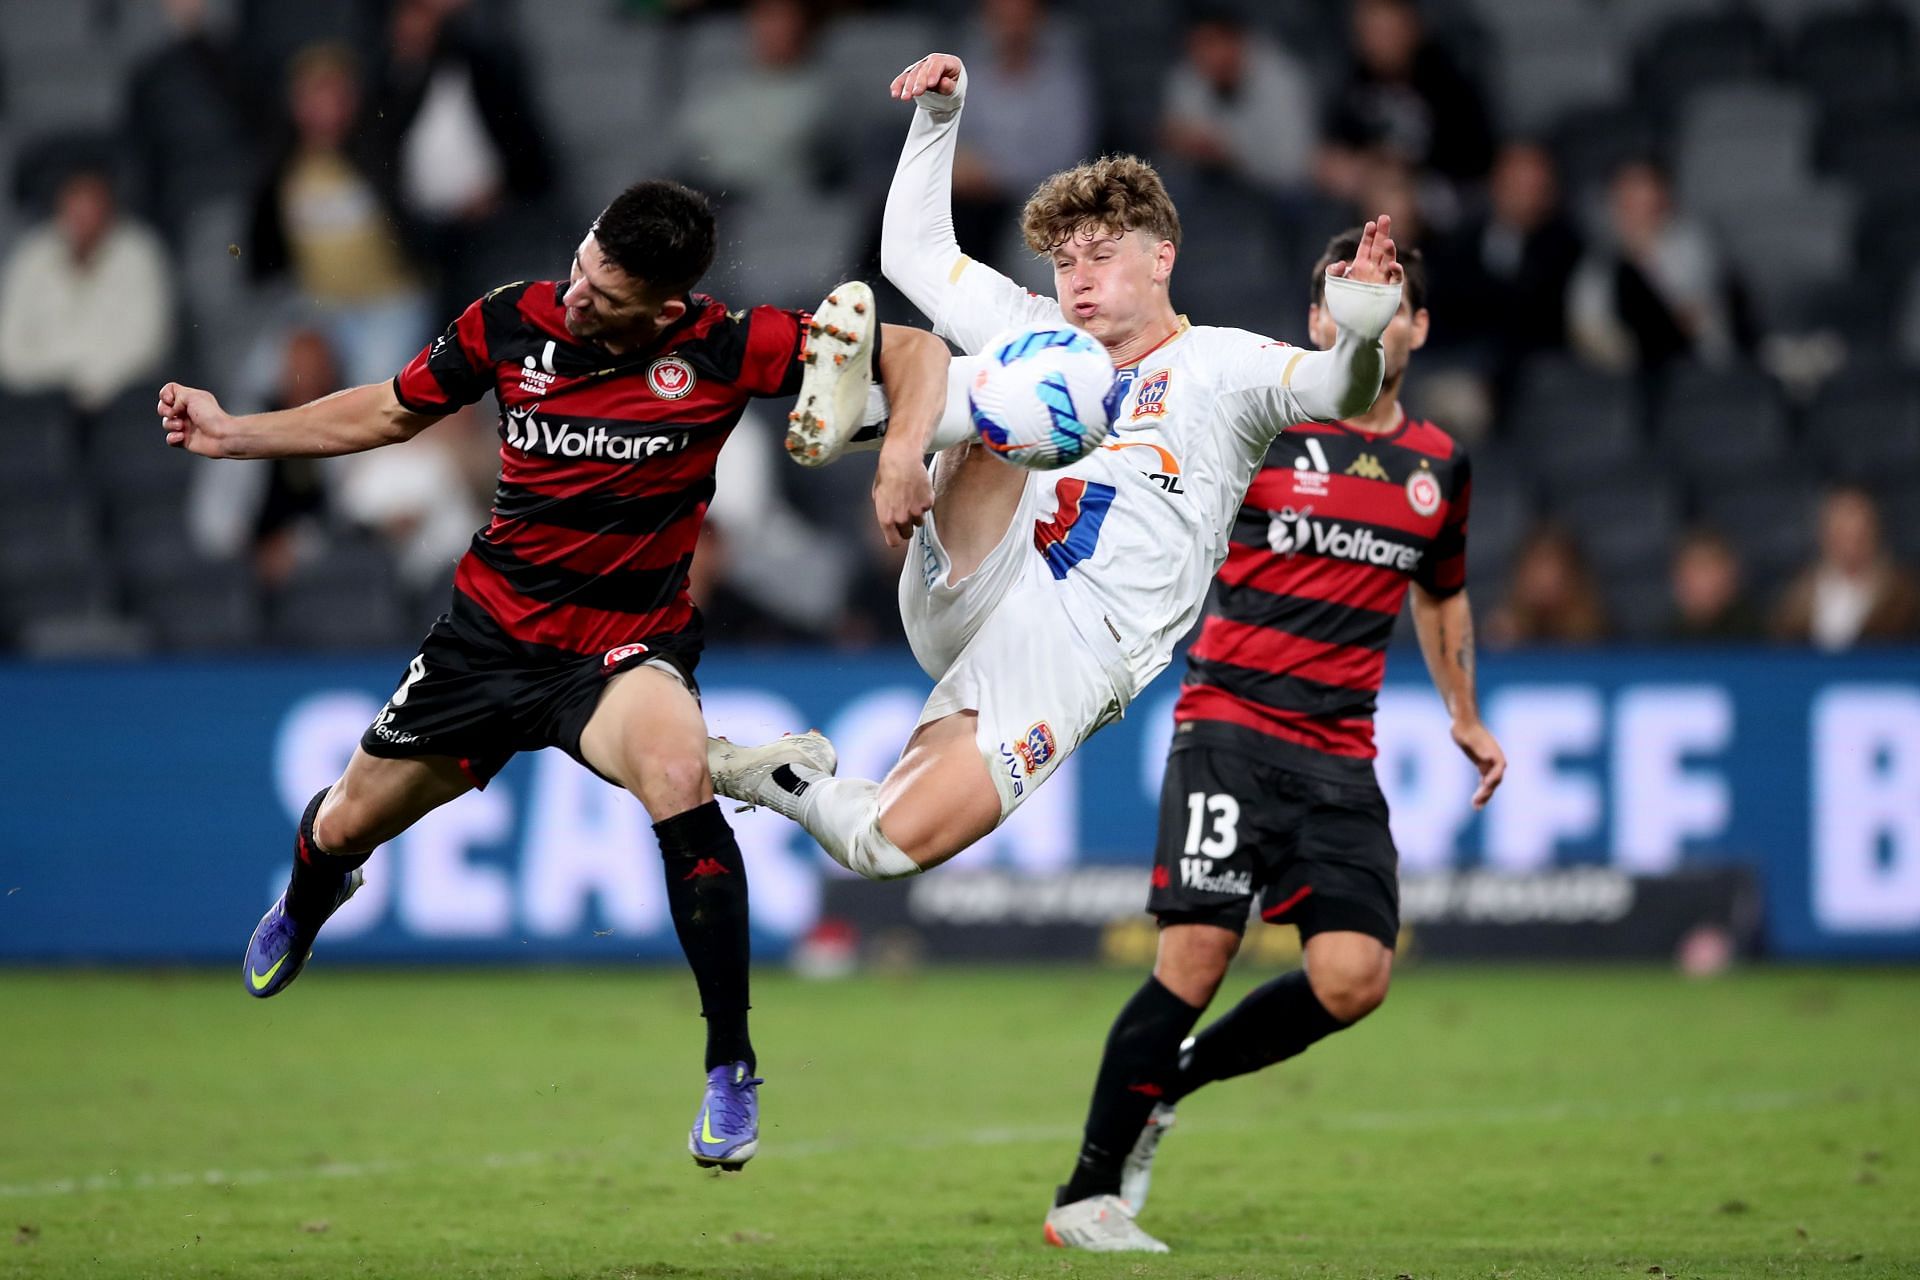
(1115, 194)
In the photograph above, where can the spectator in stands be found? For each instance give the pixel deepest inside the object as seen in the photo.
(1404, 93)
(463, 136)
(86, 298)
(1853, 593)
(273, 512)
(327, 219)
(192, 121)
(762, 128)
(1022, 67)
(1507, 271)
(1655, 290)
(415, 496)
(1552, 599)
(1239, 105)
(1708, 603)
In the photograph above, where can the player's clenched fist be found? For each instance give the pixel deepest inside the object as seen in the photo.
(935, 73)
(193, 420)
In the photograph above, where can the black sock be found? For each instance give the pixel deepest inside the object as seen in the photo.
(1141, 1060)
(316, 873)
(1270, 1025)
(707, 893)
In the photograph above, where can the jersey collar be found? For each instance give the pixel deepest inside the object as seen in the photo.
(1178, 329)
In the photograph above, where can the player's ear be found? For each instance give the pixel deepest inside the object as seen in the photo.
(1163, 261)
(671, 310)
(1320, 327)
(1419, 330)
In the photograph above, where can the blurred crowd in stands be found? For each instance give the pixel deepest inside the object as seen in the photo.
(1674, 248)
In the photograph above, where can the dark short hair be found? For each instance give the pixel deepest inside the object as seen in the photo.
(660, 233)
(1342, 248)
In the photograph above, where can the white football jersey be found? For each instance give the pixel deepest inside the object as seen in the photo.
(1142, 524)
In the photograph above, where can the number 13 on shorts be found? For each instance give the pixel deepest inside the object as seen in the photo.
(1213, 824)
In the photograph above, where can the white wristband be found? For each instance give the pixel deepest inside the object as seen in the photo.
(1362, 309)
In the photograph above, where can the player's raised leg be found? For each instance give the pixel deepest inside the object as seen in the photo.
(374, 800)
(646, 733)
(935, 802)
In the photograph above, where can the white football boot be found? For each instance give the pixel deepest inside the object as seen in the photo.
(1099, 1224)
(763, 776)
(834, 387)
(1136, 1175)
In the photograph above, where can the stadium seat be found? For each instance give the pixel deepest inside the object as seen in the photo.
(1769, 520)
(1575, 423)
(1855, 58)
(333, 616)
(1626, 520)
(1717, 425)
(1638, 19)
(1873, 146)
(88, 634)
(1742, 143)
(1792, 241)
(1900, 514)
(1639, 604)
(785, 252)
(1867, 429)
(1792, 13)
(1591, 142)
(213, 608)
(1697, 51)
(128, 461)
(1553, 57)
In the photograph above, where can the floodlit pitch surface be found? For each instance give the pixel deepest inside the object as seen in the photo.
(1487, 1123)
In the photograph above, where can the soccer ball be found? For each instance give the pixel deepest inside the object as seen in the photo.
(1041, 400)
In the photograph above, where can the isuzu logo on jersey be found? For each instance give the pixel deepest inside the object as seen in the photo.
(538, 379)
(670, 377)
(1311, 471)
(564, 440)
(1291, 532)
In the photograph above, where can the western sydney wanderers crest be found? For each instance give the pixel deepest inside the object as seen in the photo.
(670, 377)
(617, 656)
(1152, 401)
(1423, 492)
(1037, 748)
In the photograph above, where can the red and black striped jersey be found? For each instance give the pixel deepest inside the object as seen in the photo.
(1290, 656)
(606, 462)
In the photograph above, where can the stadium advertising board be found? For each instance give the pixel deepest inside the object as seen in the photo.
(161, 797)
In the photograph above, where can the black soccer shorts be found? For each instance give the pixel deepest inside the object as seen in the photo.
(475, 694)
(1316, 851)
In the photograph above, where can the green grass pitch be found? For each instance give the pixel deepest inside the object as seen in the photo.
(1487, 1123)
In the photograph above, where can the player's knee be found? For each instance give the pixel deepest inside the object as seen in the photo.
(344, 828)
(671, 782)
(875, 856)
(1193, 961)
(1351, 991)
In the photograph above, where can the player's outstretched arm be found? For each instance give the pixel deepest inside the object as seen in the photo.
(350, 421)
(1362, 297)
(967, 301)
(1445, 627)
(918, 251)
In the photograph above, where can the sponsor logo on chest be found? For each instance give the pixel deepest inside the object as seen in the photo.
(530, 434)
(1292, 532)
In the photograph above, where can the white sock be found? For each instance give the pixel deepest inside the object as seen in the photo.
(955, 425)
(843, 814)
